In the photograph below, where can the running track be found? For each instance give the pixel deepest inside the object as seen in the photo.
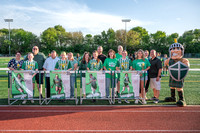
(50, 119)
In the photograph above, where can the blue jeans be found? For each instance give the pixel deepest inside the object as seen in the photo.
(108, 86)
(72, 81)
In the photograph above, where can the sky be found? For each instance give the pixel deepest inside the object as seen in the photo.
(94, 16)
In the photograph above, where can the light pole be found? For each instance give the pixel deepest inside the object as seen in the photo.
(125, 20)
(9, 20)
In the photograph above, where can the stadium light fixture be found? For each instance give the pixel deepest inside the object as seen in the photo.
(9, 20)
(125, 21)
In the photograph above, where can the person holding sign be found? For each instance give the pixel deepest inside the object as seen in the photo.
(95, 64)
(74, 64)
(141, 64)
(111, 63)
(83, 66)
(30, 64)
(125, 65)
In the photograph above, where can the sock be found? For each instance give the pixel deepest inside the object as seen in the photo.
(173, 93)
(180, 94)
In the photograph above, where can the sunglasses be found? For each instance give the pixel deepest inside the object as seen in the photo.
(35, 49)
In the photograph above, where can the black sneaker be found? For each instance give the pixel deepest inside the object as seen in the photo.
(153, 98)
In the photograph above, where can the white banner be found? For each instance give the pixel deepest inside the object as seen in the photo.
(66, 84)
(136, 84)
(101, 83)
(29, 84)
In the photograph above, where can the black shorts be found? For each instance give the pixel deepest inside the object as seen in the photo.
(37, 78)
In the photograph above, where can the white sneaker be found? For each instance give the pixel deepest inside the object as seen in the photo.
(144, 101)
(119, 101)
(127, 101)
(136, 101)
(24, 102)
(32, 101)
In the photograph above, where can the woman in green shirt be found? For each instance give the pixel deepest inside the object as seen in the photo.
(83, 66)
(141, 64)
(111, 64)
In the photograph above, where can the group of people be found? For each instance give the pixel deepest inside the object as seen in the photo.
(36, 60)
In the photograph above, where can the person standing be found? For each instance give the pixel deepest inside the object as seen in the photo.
(14, 64)
(95, 64)
(125, 65)
(119, 54)
(83, 66)
(111, 64)
(101, 56)
(63, 63)
(49, 65)
(74, 65)
(155, 75)
(146, 53)
(40, 59)
(141, 64)
(30, 64)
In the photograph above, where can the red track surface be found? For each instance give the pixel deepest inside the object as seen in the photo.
(100, 119)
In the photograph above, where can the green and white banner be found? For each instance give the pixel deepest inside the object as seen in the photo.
(95, 84)
(60, 84)
(22, 85)
(129, 84)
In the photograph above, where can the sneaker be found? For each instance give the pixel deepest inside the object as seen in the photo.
(127, 101)
(32, 101)
(24, 102)
(119, 101)
(144, 101)
(153, 98)
(136, 101)
(156, 101)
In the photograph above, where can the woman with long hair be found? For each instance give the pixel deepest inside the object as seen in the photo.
(111, 64)
(83, 66)
(141, 64)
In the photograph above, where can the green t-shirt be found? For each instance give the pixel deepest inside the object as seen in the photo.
(27, 65)
(118, 56)
(124, 64)
(139, 65)
(111, 64)
(40, 59)
(63, 64)
(73, 62)
(94, 66)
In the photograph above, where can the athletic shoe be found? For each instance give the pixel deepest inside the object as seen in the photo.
(119, 101)
(153, 98)
(24, 102)
(136, 101)
(144, 101)
(127, 101)
(32, 101)
(156, 100)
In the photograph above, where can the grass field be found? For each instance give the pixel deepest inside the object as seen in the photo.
(191, 89)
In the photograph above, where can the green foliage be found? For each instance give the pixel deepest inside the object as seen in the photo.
(57, 38)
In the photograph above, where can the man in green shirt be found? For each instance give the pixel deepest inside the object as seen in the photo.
(119, 54)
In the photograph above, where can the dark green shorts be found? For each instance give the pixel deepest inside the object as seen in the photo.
(177, 84)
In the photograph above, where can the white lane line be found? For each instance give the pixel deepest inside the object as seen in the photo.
(100, 130)
(106, 111)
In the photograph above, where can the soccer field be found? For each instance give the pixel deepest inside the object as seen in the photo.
(191, 89)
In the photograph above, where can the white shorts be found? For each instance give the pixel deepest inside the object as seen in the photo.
(155, 84)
